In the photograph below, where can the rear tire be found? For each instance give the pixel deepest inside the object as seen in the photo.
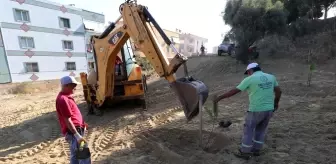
(94, 110)
(144, 105)
(219, 53)
(90, 109)
(233, 53)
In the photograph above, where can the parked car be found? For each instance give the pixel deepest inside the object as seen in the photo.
(230, 49)
(226, 48)
(253, 53)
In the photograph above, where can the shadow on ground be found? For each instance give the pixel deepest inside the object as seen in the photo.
(315, 129)
(40, 131)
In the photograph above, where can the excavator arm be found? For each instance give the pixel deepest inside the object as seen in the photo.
(136, 25)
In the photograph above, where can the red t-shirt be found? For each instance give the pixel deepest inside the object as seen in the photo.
(66, 107)
(118, 60)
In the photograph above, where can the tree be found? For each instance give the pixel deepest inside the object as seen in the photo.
(251, 20)
(307, 8)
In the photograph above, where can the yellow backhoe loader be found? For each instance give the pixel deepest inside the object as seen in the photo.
(104, 85)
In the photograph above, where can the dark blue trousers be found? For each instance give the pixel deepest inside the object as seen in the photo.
(255, 129)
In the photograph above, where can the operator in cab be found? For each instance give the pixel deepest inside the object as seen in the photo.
(118, 63)
(264, 96)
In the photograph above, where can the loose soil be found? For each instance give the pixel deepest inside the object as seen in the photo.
(301, 131)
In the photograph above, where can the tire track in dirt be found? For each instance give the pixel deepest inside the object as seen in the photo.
(25, 154)
(91, 138)
(23, 115)
(104, 141)
(32, 151)
(119, 135)
(106, 137)
(145, 123)
(60, 146)
(52, 131)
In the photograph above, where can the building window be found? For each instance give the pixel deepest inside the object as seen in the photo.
(67, 45)
(190, 48)
(70, 66)
(64, 22)
(21, 15)
(26, 42)
(91, 65)
(31, 67)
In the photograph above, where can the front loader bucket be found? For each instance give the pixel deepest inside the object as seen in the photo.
(189, 91)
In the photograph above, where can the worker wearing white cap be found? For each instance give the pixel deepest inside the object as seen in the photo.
(264, 95)
(70, 118)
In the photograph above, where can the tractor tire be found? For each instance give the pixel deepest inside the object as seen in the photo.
(144, 83)
(144, 104)
(94, 110)
(141, 102)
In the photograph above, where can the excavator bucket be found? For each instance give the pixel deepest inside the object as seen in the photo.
(189, 91)
(187, 88)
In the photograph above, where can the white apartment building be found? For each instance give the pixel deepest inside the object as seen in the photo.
(42, 40)
(191, 44)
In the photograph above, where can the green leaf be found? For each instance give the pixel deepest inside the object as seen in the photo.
(209, 111)
(312, 67)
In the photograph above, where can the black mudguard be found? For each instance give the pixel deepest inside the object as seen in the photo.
(188, 91)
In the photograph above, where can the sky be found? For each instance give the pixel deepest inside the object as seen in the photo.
(197, 17)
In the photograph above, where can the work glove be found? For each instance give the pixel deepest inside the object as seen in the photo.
(79, 138)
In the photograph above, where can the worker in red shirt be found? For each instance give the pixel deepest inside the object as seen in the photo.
(70, 118)
(117, 68)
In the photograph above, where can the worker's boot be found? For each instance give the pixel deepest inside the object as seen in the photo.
(256, 152)
(243, 155)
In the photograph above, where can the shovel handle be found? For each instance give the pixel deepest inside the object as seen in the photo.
(215, 107)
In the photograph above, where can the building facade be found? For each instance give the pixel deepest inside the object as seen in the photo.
(165, 49)
(186, 44)
(174, 38)
(42, 40)
(190, 44)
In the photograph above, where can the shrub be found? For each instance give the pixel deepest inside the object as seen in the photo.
(22, 88)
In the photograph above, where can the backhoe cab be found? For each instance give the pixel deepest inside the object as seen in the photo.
(117, 77)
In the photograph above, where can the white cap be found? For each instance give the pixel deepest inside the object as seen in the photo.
(69, 80)
(250, 66)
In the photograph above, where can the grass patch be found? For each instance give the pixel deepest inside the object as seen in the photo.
(22, 88)
(34, 87)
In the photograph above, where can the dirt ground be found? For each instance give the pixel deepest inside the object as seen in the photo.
(302, 131)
